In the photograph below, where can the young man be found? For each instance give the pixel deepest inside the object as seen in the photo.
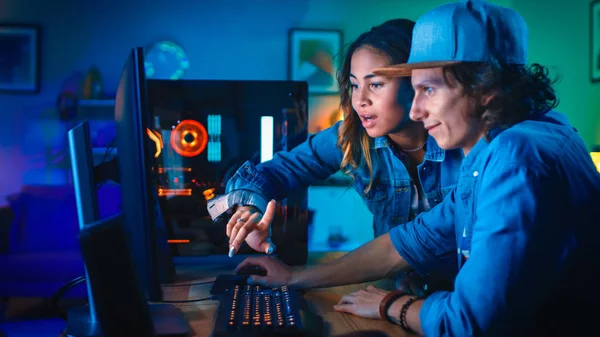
(521, 225)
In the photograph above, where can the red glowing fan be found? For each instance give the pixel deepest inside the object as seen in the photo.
(189, 138)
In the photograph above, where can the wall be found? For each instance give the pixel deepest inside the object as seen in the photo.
(235, 39)
(224, 39)
(559, 36)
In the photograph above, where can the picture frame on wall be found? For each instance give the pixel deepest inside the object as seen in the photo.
(19, 58)
(314, 57)
(595, 41)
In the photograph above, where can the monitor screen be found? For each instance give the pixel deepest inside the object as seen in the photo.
(203, 130)
(139, 200)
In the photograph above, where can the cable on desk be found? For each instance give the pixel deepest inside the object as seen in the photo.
(186, 301)
(61, 292)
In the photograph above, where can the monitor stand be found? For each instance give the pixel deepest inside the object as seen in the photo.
(168, 321)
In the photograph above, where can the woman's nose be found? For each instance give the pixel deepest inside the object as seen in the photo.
(363, 99)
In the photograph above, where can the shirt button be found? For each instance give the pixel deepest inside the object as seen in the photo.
(425, 168)
(475, 173)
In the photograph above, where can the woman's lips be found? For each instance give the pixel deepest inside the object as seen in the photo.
(368, 121)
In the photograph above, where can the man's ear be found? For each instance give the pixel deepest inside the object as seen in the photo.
(486, 99)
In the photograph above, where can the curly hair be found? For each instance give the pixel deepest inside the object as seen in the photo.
(518, 92)
(392, 38)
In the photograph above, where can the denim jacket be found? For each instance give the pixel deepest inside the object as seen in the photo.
(521, 229)
(319, 157)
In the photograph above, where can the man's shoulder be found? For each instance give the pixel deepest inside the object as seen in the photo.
(536, 139)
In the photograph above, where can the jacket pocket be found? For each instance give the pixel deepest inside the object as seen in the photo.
(376, 200)
(377, 192)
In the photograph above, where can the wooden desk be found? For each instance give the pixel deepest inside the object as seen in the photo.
(201, 314)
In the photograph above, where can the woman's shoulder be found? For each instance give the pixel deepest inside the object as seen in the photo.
(330, 132)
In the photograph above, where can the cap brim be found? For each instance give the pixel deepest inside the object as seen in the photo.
(405, 69)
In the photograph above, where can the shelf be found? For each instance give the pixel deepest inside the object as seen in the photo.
(102, 109)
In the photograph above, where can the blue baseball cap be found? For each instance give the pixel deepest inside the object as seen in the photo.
(466, 31)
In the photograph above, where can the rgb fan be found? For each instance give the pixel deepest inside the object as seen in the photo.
(189, 138)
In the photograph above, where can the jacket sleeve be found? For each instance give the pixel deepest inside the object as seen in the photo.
(428, 243)
(517, 249)
(315, 159)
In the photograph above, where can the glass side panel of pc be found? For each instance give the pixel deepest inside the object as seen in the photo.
(202, 131)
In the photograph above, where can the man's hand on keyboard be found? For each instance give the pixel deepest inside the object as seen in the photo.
(278, 273)
(248, 223)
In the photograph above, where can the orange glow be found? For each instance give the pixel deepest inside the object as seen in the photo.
(162, 170)
(157, 139)
(164, 192)
(189, 147)
(178, 241)
(209, 194)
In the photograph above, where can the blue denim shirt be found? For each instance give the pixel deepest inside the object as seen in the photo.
(524, 223)
(319, 157)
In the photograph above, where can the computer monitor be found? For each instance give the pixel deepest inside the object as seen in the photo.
(84, 183)
(82, 165)
(121, 309)
(141, 213)
(121, 306)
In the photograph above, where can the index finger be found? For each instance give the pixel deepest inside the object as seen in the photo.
(269, 213)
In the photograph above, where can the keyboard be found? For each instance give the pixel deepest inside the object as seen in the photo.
(252, 310)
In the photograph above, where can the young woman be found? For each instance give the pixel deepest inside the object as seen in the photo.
(397, 169)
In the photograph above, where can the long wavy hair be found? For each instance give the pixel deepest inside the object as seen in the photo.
(392, 38)
(518, 92)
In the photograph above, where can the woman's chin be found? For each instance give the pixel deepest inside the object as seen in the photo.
(375, 133)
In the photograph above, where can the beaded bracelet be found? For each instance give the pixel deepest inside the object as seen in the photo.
(385, 303)
(404, 310)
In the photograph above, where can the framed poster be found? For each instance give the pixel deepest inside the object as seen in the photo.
(314, 57)
(595, 41)
(19, 58)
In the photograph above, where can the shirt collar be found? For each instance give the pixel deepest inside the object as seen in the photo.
(469, 160)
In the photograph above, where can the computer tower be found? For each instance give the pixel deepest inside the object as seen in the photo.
(204, 130)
